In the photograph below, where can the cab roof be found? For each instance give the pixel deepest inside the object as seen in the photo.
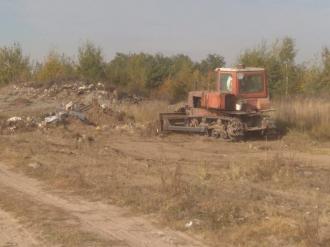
(246, 69)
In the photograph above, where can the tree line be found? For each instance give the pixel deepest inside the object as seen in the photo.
(167, 77)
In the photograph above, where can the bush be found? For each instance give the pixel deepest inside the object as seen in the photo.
(14, 66)
(56, 67)
(91, 65)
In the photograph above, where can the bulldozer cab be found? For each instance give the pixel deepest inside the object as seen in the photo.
(242, 82)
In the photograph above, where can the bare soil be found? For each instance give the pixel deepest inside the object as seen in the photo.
(12, 232)
(107, 221)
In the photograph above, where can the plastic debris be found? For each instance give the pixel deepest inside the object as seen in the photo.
(14, 119)
(52, 119)
(69, 106)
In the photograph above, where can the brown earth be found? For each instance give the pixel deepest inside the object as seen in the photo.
(12, 233)
(107, 221)
(82, 185)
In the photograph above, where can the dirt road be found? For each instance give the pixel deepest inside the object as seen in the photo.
(107, 221)
(13, 234)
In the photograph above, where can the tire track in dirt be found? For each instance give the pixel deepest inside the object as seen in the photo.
(108, 221)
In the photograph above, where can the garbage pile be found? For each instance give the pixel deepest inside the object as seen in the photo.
(93, 114)
(88, 103)
(15, 123)
(56, 90)
(71, 110)
(61, 116)
(76, 91)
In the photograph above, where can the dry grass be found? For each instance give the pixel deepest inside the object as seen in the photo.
(278, 169)
(309, 115)
(229, 198)
(236, 202)
(147, 111)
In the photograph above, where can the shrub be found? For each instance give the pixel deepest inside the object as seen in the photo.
(91, 65)
(55, 68)
(14, 66)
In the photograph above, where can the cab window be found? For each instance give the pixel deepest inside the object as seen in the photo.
(226, 83)
(250, 84)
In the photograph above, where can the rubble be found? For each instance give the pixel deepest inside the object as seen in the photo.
(52, 119)
(90, 103)
(100, 85)
(79, 115)
(82, 89)
(14, 119)
(193, 222)
(63, 115)
(12, 124)
(75, 91)
(68, 106)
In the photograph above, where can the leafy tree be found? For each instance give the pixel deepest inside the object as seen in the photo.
(181, 74)
(286, 53)
(310, 79)
(205, 70)
(325, 74)
(279, 61)
(117, 70)
(56, 67)
(159, 71)
(211, 62)
(91, 65)
(143, 73)
(286, 50)
(167, 77)
(138, 73)
(14, 66)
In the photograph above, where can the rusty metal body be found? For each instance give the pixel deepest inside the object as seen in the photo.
(239, 105)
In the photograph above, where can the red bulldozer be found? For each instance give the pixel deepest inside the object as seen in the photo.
(240, 105)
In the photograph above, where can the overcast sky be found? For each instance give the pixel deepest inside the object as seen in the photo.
(193, 27)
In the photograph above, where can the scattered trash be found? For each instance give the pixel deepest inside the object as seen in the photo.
(34, 165)
(192, 223)
(82, 89)
(100, 85)
(104, 107)
(91, 103)
(189, 224)
(14, 119)
(80, 116)
(125, 128)
(91, 86)
(15, 123)
(52, 119)
(69, 106)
